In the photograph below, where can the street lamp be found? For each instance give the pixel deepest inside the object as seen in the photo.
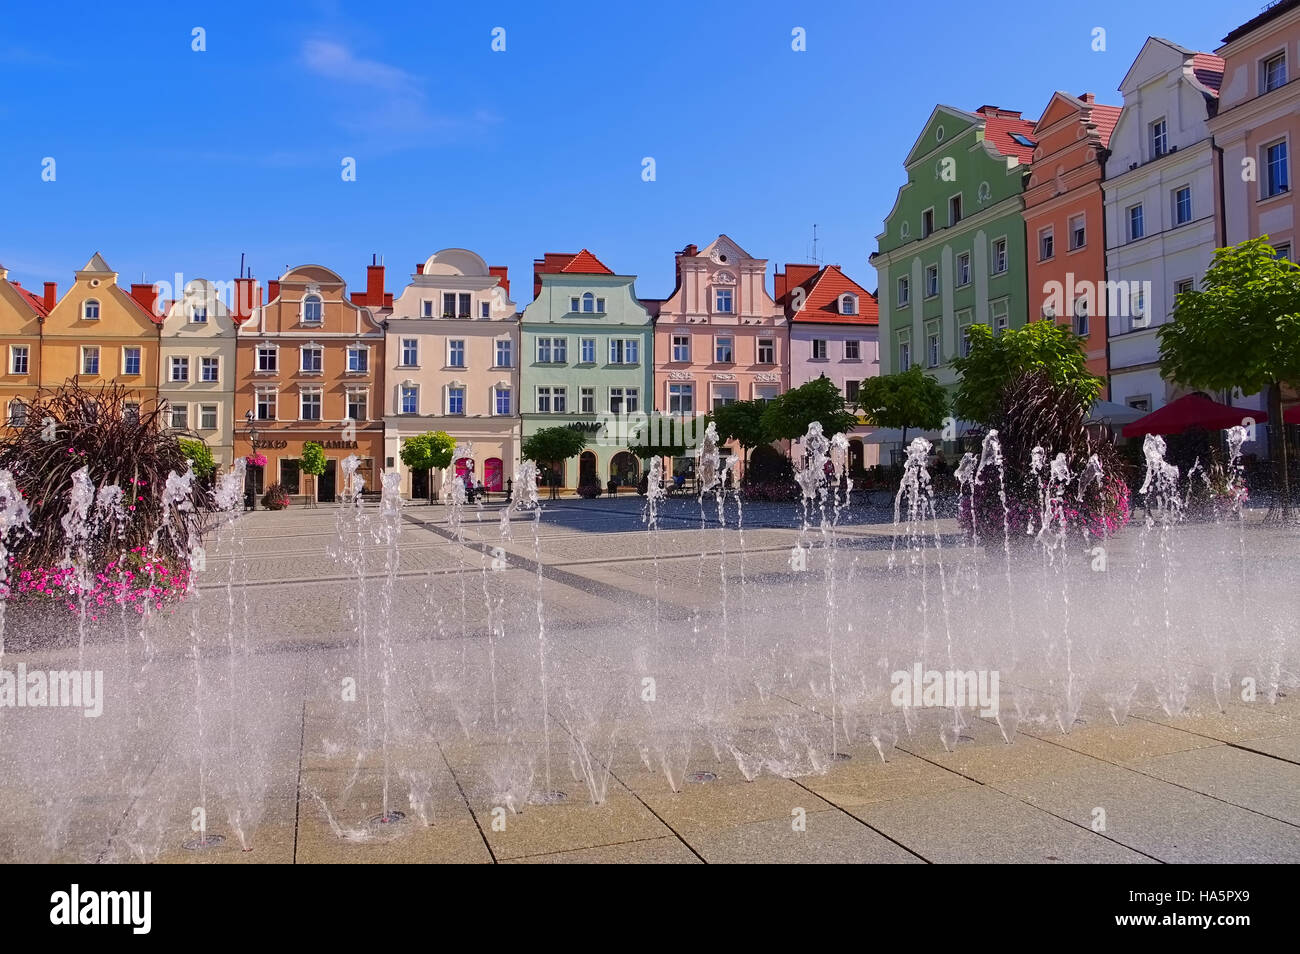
(252, 441)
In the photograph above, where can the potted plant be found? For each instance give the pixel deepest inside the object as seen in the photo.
(276, 497)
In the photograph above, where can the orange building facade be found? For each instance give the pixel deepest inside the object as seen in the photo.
(21, 317)
(309, 366)
(1064, 216)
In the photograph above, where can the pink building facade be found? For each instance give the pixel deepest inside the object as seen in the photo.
(719, 337)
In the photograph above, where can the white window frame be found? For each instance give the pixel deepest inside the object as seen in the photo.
(904, 291)
(139, 360)
(216, 417)
(1265, 180)
(414, 392)
(586, 351)
(853, 345)
(1173, 197)
(681, 348)
(1158, 143)
(684, 390)
(960, 210)
(819, 349)
(264, 392)
(497, 392)
(199, 314)
(364, 351)
(1141, 221)
(1264, 61)
(586, 400)
(319, 394)
(964, 272)
(1001, 254)
(413, 351)
(464, 360)
(14, 350)
(768, 345)
(464, 396)
(307, 302)
(86, 309)
(86, 350)
(310, 348)
(273, 350)
(718, 294)
(932, 287)
(209, 361)
(184, 410)
(1082, 218)
(1046, 238)
(181, 361)
(365, 402)
(730, 346)
(509, 351)
(848, 304)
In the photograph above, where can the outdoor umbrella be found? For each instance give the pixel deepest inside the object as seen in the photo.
(1292, 414)
(1189, 411)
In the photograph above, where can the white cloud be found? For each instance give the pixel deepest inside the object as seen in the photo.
(335, 61)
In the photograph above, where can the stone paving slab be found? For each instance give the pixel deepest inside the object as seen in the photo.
(652, 851)
(1263, 784)
(829, 838)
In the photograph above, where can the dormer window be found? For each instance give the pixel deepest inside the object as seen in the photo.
(90, 310)
(199, 314)
(311, 309)
(589, 303)
(848, 304)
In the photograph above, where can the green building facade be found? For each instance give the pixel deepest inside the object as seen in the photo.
(587, 361)
(953, 249)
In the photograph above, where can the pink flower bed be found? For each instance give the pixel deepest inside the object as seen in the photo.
(135, 581)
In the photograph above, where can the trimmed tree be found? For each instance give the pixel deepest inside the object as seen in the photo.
(910, 398)
(429, 451)
(312, 462)
(553, 445)
(1241, 331)
(996, 362)
(200, 457)
(786, 418)
(742, 422)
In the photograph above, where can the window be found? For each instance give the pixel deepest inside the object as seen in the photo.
(1078, 231)
(1136, 227)
(588, 302)
(1282, 252)
(550, 400)
(449, 304)
(268, 358)
(313, 357)
(485, 309)
(199, 314)
(616, 401)
(502, 401)
(312, 309)
(552, 350)
(1182, 205)
(681, 348)
(723, 351)
(1159, 138)
(963, 333)
(131, 412)
(586, 400)
(927, 222)
(1272, 73)
(426, 308)
(456, 353)
(963, 269)
(1000, 263)
(1184, 285)
(765, 392)
(410, 399)
(932, 349)
(931, 280)
(207, 417)
(559, 400)
(358, 359)
(819, 349)
(766, 351)
(505, 353)
(90, 310)
(265, 404)
(848, 304)
(853, 350)
(358, 402)
(180, 369)
(17, 413)
(466, 305)
(681, 399)
(954, 209)
(18, 355)
(1081, 317)
(573, 304)
(998, 311)
(455, 400)
(1140, 403)
(210, 369)
(309, 402)
(623, 351)
(90, 360)
(410, 352)
(1276, 175)
(130, 361)
(1138, 312)
(1023, 140)
(722, 300)
(851, 391)
(1046, 245)
(724, 394)
(904, 355)
(587, 350)
(904, 291)
(180, 416)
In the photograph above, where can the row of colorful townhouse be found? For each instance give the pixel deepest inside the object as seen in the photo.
(360, 373)
(1094, 215)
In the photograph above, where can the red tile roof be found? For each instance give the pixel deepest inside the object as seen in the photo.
(1208, 68)
(999, 124)
(36, 302)
(821, 303)
(1105, 118)
(586, 263)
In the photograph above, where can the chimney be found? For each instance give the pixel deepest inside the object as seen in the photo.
(374, 283)
(147, 296)
(778, 285)
(691, 250)
(419, 268)
(243, 299)
(272, 290)
(51, 295)
(502, 272)
(1088, 98)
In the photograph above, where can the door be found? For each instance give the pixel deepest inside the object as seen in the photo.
(253, 479)
(325, 492)
(587, 468)
(289, 476)
(419, 485)
(492, 474)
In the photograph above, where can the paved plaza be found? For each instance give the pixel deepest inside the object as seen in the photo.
(1212, 785)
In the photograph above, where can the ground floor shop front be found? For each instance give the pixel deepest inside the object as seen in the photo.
(487, 453)
(282, 451)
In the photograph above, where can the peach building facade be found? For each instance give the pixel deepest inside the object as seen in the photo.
(22, 315)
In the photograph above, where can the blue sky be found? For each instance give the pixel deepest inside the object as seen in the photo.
(173, 160)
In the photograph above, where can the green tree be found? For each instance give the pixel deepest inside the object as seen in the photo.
(429, 451)
(200, 457)
(786, 418)
(553, 445)
(742, 422)
(910, 398)
(312, 462)
(995, 362)
(1241, 331)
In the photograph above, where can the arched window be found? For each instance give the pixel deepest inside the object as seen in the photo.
(90, 310)
(848, 304)
(311, 308)
(589, 302)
